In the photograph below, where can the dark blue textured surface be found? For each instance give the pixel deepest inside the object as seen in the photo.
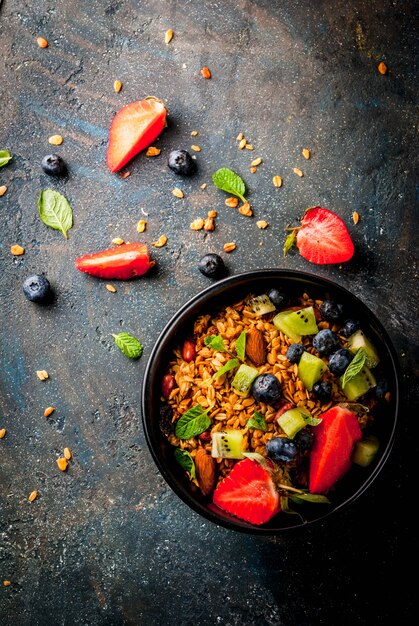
(107, 542)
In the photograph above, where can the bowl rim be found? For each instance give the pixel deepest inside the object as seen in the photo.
(176, 318)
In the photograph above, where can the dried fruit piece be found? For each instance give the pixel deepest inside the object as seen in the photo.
(297, 171)
(67, 454)
(323, 237)
(117, 86)
(33, 496)
(42, 43)
(162, 241)
(3, 190)
(277, 181)
(48, 411)
(178, 193)
(205, 467)
(262, 224)
(2, 433)
(206, 72)
(55, 140)
(17, 250)
(197, 224)
(42, 374)
(117, 241)
(168, 36)
(306, 153)
(121, 263)
(152, 151)
(62, 463)
(256, 346)
(229, 247)
(110, 288)
(382, 68)
(141, 226)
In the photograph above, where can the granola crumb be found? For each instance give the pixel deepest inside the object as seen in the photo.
(262, 224)
(229, 247)
(209, 224)
(3, 190)
(246, 210)
(242, 143)
(212, 213)
(306, 153)
(249, 146)
(197, 224)
(196, 148)
(55, 140)
(6, 583)
(17, 250)
(152, 151)
(42, 374)
(125, 174)
(253, 170)
(117, 241)
(194, 133)
(3, 432)
(168, 36)
(33, 496)
(67, 454)
(355, 217)
(277, 181)
(382, 68)
(117, 86)
(206, 72)
(162, 241)
(141, 226)
(62, 463)
(42, 43)
(297, 171)
(204, 186)
(256, 162)
(48, 411)
(178, 192)
(239, 137)
(110, 288)
(231, 202)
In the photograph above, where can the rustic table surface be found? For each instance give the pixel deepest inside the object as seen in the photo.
(107, 542)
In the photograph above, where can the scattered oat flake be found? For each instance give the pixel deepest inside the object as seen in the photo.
(162, 241)
(17, 250)
(256, 162)
(168, 36)
(242, 144)
(204, 186)
(33, 496)
(297, 171)
(110, 288)
(125, 175)
(277, 181)
(382, 68)
(48, 411)
(42, 43)
(152, 151)
(178, 192)
(196, 148)
(262, 224)
(55, 140)
(194, 133)
(6, 583)
(62, 463)
(229, 247)
(42, 374)
(249, 146)
(239, 137)
(206, 72)
(67, 454)
(117, 86)
(2, 433)
(141, 226)
(117, 241)
(253, 170)
(3, 190)
(306, 153)
(197, 224)
(231, 202)
(355, 217)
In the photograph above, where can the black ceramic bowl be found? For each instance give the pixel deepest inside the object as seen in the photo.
(231, 290)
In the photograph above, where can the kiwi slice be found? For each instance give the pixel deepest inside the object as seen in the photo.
(227, 444)
(243, 379)
(359, 384)
(365, 450)
(310, 369)
(291, 422)
(294, 324)
(260, 305)
(359, 340)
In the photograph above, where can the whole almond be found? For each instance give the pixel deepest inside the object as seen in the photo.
(256, 346)
(205, 471)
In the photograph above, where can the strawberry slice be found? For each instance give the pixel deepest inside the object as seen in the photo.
(323, 238)
(248, 492)
(334, 440)
(133, 129)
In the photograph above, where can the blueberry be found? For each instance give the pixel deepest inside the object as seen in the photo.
(381, 388)
(322, 391)
(54, 165)
(278, 298)
(304, 439)
(295, 352)
(266, 388)
(181, 162)
(326, 341)
(350, 327)
(212, 265)
(37, 289)
(339, 361)
(281, 449)
(330, 310)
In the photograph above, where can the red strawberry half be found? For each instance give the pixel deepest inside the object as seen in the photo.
(330, 456)
(323, 238)
(248, 492)
(133, 129)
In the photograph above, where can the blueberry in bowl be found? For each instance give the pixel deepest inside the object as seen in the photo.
(253, 428)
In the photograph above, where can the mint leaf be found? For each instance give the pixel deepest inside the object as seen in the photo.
(290, 241)
(257, 422)
(354, 367)
(241, 345)
(5, 157)
(298, 498)
(192, 423)
(186, 461)
(215, 342)
(228, 181)
(55, 211)
(129, 345)
(230, 365)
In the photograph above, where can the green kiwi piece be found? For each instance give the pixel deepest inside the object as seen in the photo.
(359, 340)
(226, 444)
(359, 384)
(291, 422)
(243, 379)
(260, 305)
(310, 369)
(365, 450)
(294, 324)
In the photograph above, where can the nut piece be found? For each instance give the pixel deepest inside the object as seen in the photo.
(256, 162)
(2, 433)
(48, 411)
(42, 374)
(162, 241)
(297, 171)
(197, 224)
(141, 226)
(42, 43)
(229, 247)
(256, 346)
(3, 190)
(231, 202)
(277, 181)
(262, 224)
(152, 151)
(117, 86)
(188, 350)
(178, 192)
(110, 288)
(382, 68)
(205, 72)
(17, 250)
(246, 210)
(355, 217)
(205, 471)
(117, 241)
(168, 36)
(196, 148)
(62, 463)
(33, 496)
(306, 153)
(55, 140)
(67, 454)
